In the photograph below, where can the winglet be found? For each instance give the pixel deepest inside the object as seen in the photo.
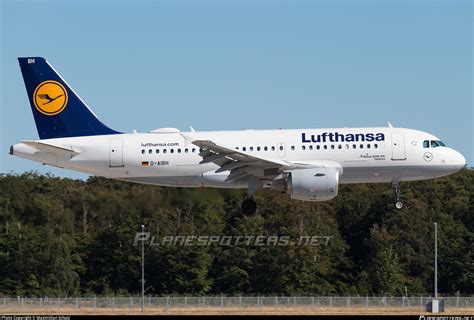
(187, 139)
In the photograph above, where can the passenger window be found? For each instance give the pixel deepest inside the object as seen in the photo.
(244, 149)
(273, 148)
(376, 145)
(318, 147)
(265, 148)
(179, 150)
(281, 148)
(143, 151)
(347, 146)
(186, 150)
(325, 147)
(164, 150)
(332, 146)
(354, 146)
(292, 147)
(258, 148)
(150, 151)
(361, 146)
(236, 148)
(157, 150)
(426, 144)
(368, 145)
(303, 147)
(194, 150)
(172, 150)
(310, 147)
(251, 148)
(339, 146)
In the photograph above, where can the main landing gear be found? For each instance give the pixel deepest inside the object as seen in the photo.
(396, 189)
(249, 206)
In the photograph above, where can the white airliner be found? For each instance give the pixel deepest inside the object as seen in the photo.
(308, 164)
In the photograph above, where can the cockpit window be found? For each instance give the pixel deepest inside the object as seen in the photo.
(433, 144)
(437, 143)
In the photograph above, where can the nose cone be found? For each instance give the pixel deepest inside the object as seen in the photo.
(457, 160)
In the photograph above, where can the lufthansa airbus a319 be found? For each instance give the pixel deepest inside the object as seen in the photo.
(308, 164)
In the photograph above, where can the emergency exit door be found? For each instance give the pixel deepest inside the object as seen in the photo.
(116, 153)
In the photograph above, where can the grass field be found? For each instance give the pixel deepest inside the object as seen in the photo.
(229, 311)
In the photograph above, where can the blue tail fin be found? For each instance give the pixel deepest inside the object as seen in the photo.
(57, 110)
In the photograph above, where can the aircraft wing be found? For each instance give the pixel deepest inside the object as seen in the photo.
(50, 148)
(242, 164)
(239, 163)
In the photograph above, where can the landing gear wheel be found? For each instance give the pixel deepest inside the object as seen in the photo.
(248, 206)
(398, 205)
(396, 189)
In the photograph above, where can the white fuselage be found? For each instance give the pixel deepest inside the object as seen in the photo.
(166, 157)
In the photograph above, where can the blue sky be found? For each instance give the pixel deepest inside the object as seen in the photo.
(246, 64)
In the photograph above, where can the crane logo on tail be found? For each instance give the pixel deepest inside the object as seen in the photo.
(50, 97)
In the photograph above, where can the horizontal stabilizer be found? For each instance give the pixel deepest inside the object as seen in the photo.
(50, 148)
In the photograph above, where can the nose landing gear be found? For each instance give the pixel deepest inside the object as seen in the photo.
(396, 189)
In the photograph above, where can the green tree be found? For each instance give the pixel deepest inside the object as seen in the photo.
(386, 273)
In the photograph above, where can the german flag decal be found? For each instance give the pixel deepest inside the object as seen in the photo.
(145, 163)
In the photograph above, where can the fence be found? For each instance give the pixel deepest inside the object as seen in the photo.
(175, 302)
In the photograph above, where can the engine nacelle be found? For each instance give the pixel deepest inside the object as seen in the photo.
(314, 184)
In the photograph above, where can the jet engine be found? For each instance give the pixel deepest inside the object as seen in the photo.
(312, 184)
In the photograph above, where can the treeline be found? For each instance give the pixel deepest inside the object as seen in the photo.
(63, 237)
